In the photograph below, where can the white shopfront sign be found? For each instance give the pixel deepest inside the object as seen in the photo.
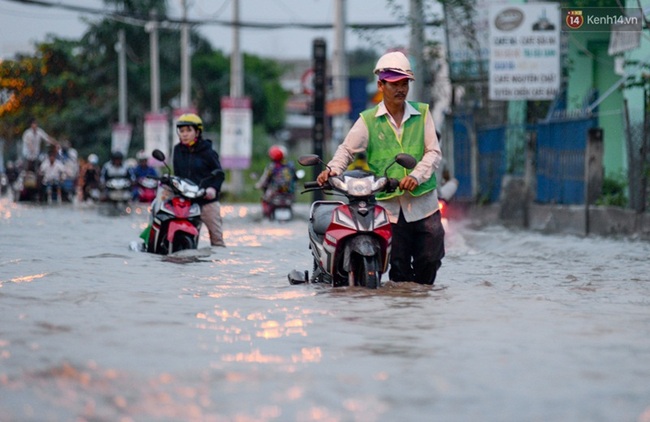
(524, 51)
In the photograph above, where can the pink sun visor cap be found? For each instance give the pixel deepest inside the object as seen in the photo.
(391, 75)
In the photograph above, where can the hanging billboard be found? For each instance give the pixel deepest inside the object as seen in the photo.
(524, 46)
(236, 132)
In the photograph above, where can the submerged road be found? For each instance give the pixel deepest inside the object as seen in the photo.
(519, 327)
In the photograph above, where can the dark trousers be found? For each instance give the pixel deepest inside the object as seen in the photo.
(417, 249)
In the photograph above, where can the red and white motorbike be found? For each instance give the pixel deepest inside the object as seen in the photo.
(146, 189)
(175, 214)
(350, 242)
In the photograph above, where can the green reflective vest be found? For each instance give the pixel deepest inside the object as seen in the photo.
(384, 145)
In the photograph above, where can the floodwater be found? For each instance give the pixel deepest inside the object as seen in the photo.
(519, 327)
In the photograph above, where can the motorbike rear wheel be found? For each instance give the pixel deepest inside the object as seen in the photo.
(183, 241)
(366, 271)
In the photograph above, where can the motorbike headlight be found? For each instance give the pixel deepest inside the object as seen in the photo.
(379, 184)
(149, 183)
(118, 183)
(189, 189)
(359, 187)
(338, 183)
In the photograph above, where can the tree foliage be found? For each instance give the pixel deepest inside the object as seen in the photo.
(71, 86)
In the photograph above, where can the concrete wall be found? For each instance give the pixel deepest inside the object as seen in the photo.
(555, 219)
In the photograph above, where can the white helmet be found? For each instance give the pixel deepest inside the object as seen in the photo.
(93, 159)
(141, 155)
(394, 66)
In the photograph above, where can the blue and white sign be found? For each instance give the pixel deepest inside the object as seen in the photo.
(524, 51)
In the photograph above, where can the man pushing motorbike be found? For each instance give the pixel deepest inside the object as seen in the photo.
(394, 126)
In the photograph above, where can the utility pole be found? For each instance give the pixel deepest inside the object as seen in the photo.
(236, 85)
(185, 59)
(121, 132)
(152, 28)
(121, 58)
(340, 122)
(236, 68)
(416, 49)
(319, 56)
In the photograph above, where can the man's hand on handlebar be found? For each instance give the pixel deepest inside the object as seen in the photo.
(408, 183)
(324, 175)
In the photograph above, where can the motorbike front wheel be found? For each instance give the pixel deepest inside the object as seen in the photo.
(366, 272)
(183, 241)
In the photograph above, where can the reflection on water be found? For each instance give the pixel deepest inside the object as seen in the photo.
(25, 279)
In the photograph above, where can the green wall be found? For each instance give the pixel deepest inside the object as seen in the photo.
(590, 67)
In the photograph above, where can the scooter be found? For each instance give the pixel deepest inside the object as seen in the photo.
(350, 242)
(91, 192)
(175, 214)
(27, 187)
(117, 190)
(146, 189)
(279, 207)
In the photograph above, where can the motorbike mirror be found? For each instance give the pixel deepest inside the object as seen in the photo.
(158, 155)
(406, 160)
(309, 160)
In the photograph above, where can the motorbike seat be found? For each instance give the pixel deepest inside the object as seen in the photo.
(321, 215)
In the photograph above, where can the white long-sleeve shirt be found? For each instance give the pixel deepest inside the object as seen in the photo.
(32, 139)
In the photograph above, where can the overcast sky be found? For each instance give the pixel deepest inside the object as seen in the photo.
(21, 25)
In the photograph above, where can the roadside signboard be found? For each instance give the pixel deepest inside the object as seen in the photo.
(236, 132)
(524, 51)
(156, 132)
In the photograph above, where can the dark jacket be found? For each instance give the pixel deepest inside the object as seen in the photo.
(197, 163)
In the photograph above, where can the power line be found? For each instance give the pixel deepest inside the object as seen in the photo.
(173, 23)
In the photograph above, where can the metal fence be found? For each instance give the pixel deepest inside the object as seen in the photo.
(559, 158)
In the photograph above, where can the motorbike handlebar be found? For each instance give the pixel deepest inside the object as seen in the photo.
(392, 185)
